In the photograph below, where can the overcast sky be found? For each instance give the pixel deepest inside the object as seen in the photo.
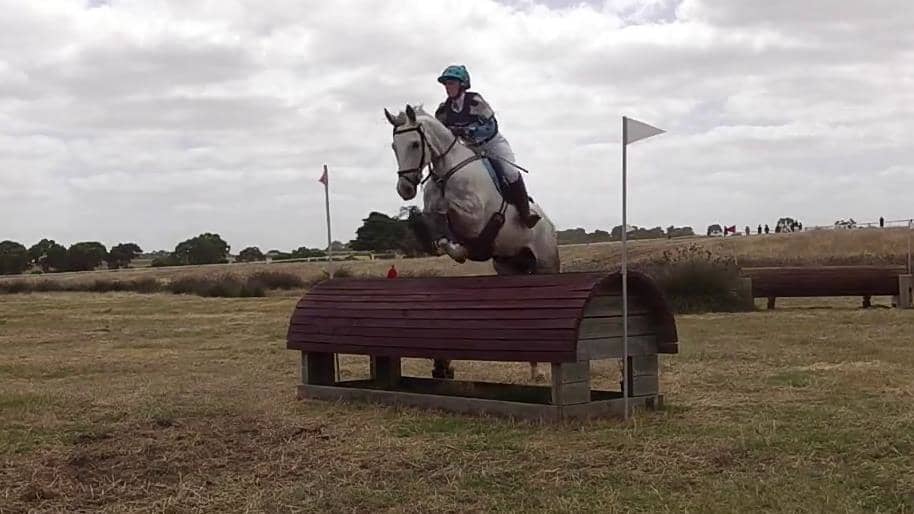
(153, 121)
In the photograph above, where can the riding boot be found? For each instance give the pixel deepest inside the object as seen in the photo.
(517, 195)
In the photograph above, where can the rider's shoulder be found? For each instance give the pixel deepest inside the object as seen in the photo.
(478, 105)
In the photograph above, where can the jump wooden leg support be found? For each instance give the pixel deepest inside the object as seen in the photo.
(905, 293)
(571, 383)
(385, 371)
(317, 368)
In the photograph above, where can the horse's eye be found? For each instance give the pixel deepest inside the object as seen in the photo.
(414, 145)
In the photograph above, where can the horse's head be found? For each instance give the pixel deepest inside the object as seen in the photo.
(412, 150)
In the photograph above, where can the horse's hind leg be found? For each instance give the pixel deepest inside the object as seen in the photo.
(442, 369)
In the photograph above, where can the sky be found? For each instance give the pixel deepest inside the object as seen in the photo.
(153, 121)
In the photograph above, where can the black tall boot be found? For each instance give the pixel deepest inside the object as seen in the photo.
(517, 195)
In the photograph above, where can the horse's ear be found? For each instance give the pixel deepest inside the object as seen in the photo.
(390, 117)
(410, 114)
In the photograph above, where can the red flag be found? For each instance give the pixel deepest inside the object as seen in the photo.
(323, 180)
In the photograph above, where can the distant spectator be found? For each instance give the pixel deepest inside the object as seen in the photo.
(760, 229)
(799, 226)
(881, 222)
(767, 230)
(392, 272)
(747, 230)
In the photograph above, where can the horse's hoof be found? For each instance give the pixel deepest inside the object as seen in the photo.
(457, 252)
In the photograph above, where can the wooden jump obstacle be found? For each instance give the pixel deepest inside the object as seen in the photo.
(824, 281)
(564, 319)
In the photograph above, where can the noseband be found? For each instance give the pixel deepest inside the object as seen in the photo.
(423, 141)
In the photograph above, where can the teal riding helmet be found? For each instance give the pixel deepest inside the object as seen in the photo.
(458, 73)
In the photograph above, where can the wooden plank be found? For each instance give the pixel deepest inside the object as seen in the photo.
(570, 394)
(644, 365)
(905, 292)
(611, 347)
(435, 314)
(439, 342)
(438, 353)
(644, 385)
(457, 404)
(668, 348)
(317, 368)
(600, 328)
(608, 408)
(823, 281)
(603, 306)
(442, 324)
(486, 334)
(491, 306)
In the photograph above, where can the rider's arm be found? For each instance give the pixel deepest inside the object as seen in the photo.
(484, 125)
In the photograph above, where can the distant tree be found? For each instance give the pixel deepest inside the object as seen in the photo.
(337, 246)
(204, 249)
(120, 255)
(648, 233)
(14, 258)
(39, 250)
(85, 256)
(55, 259)
(167, 260)
(572, 236)
(674, 231)
(304, 252)
(382, 233)
(378, 232)
(48, 255)
(250, 254)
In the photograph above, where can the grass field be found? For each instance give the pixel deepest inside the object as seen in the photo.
(127, 402)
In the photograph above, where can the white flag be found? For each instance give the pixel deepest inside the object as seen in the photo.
(636, 130)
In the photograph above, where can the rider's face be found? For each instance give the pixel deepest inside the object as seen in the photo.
(452, 87)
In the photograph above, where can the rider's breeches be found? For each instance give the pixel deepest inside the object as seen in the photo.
(498, 146)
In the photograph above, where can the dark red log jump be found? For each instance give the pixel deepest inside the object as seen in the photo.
(825, 281)
(564, 319)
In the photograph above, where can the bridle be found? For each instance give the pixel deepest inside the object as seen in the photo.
(433, 163)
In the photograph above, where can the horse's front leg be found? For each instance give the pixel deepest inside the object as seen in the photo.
(436, 226)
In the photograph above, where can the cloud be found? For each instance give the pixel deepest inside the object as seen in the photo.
(155, 121)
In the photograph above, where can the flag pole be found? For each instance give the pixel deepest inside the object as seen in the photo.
(329, 238)
(910, 223)
(625, 367)
(325, 179)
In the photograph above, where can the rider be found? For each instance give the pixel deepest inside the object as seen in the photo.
(469, 117)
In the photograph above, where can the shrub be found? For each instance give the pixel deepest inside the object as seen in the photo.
(15, 286)
(694, 280)
(224, 286)
(277, 280)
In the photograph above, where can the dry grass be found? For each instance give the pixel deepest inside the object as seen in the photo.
(134, 402)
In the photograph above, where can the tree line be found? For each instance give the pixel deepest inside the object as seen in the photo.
(379, 232)
(49, 256)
